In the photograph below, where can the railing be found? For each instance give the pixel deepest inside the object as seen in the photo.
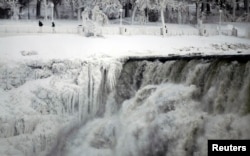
(107, 30)
(5, 29)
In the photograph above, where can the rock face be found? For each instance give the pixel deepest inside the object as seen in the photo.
(143, 106)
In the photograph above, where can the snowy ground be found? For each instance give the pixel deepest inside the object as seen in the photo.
(14, 47)
(66, 46)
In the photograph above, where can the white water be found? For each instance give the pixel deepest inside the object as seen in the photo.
(166, 112)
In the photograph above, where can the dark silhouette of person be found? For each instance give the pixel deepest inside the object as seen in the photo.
(40, 25)
(53, 27)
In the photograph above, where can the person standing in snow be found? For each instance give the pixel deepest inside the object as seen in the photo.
(53, 27)
(40, 24)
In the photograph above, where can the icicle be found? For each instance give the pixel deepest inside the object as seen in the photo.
(80, 105)
(96, 80)
(113, 71)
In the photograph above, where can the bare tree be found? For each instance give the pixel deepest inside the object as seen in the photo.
(246, 4)
(38, 8)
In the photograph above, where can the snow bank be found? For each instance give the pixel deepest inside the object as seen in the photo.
(63, 46)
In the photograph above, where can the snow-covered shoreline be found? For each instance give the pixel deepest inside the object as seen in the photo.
(68, 46)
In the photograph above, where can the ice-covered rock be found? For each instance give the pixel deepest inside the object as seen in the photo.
(51, 96)
(29, 53)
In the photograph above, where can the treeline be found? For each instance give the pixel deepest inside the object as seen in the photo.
(151, 10)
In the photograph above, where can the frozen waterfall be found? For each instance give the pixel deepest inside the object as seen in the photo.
(136, 107)
(49, 98)
(169, 108)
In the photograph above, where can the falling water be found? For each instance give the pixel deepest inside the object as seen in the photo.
(169, 108)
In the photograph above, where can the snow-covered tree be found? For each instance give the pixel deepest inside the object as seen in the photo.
(127, 6)
(92, 19)
(232, 6)
(43, 4)
(5, 11)
(14, 5)
(153, 4)
(96, 15)
(143, 4)
(56, 4)
(109, 7)
(5, 4)
(234, 10)
(75, 6)
(162, 6)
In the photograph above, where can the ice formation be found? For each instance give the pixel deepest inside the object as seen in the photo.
(111, 107)
(92, 19)
(50, 96)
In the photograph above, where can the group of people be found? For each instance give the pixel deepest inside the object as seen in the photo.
(40, 24)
